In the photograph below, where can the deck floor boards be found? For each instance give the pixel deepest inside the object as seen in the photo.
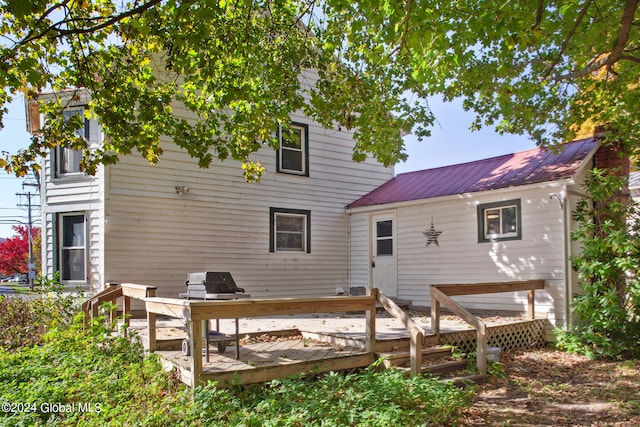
(254, 356)
(276, 357)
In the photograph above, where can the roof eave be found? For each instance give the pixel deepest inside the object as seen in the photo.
(563, 181)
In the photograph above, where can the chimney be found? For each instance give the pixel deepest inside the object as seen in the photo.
(32, 110)
(611, 155)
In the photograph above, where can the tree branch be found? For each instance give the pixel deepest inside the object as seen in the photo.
(405, 29)
(618, 52)
(567, 39)
(110, 21)
(629, 58)
(590, 68)
(623, 34)
(539, 12)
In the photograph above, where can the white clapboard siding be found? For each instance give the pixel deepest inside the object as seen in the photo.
(79, 193)
(459, 258)
(140, 230)
(155, 236)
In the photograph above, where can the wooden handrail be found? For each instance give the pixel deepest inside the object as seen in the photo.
(416, 333)
(111, 293)
(134, 290)
(490, 288)
(91, 305)
(441, 294)
(437, 297)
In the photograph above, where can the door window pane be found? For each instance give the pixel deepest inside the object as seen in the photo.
(384, 247)
(384, 237)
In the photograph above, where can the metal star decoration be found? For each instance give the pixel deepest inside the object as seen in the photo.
(432, 235)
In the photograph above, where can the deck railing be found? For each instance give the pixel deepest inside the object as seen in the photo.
(111, 293)
(441, 294)
(194, 312)
(416, 333)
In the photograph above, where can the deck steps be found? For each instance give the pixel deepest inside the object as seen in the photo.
(447, 367)
(437, 361)
(403, 358)
(463, 380)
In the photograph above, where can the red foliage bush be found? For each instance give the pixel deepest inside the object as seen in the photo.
(14, 252)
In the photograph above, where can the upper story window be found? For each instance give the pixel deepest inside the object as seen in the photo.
(499, 221)
(293, 155)
(67, 159)
(290, 230)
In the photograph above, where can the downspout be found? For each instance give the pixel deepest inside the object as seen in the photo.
(568, 279)
(349, 279)
(569, 273)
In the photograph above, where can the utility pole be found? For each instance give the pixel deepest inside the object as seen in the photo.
(29, 206)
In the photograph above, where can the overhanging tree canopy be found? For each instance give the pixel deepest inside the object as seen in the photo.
(543, 68)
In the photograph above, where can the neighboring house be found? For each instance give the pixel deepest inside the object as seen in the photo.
(634, 186)
(501, 219)
(287, 236)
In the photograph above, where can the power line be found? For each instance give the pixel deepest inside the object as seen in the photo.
(30, 195)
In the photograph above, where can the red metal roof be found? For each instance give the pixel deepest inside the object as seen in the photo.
(510, 170)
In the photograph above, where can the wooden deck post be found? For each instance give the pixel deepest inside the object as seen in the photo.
(195, 333)
(531, 311)
(113, 311)
(151, 327)
(370, 345)
(94, 310)
(435, 317)
(126, 308)
(415, 352)
(481, 349)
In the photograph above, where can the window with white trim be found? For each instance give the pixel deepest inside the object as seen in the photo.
(293, 154)
(67, 159)
(290, 230)
(384, 237)
(499, 221)
(72, 248)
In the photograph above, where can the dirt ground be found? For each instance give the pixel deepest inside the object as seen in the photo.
(552, 388)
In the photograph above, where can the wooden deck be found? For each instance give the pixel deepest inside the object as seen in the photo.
(316, 352)
(264, 361)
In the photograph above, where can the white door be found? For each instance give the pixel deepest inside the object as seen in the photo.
(384, 266)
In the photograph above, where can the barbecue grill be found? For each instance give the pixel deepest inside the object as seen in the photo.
(212, 285)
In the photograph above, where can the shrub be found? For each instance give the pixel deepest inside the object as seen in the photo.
(370, 397)
(607, 312)
(92, 377)
(24, 319)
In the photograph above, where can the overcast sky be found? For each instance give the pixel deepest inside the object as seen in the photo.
(451, 142)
